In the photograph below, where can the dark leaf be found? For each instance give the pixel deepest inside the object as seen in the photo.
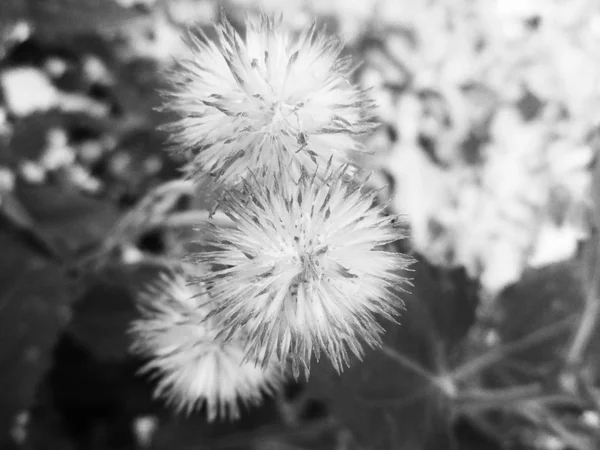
(11, 12)
(72, 221)
(34, 307)
(524, 358)
(106, 308)
(542, 308)
(59, 18)
(29, 139)
(397, 398)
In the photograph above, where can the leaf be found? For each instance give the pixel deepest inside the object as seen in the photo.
(72, 221)
(59, 18)
(34, 307)
(13, 210)
(85, 403)
(29, 138)
(396, 398)
(106, 308)
(542, 308)
(525, 383)
(10, 14)
(12, 11)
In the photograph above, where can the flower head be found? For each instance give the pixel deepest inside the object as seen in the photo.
(193, 365)
(276, 98)
(304, 269)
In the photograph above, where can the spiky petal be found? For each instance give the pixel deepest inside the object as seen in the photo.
(193, 366)
(276, 98)
(305, 268)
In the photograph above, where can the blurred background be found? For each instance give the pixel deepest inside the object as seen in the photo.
(489, 115)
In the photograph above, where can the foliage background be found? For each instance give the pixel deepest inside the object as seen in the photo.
(487, 145)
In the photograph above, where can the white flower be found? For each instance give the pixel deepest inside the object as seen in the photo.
(193, 366)
(278, 98)
(304, 269)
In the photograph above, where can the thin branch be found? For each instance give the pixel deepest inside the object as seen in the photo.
(410, 364)
(571, 438)
(497, 398)
(194, 218)
(589, 315)
(482, 399)
(478, 364)
(543, 417)
(594, 395)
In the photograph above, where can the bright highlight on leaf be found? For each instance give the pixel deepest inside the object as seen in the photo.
(276, 98)
(193, 366)
(304, 269)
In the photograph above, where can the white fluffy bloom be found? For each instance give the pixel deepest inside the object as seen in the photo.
(304, 269)
(276, 98)
(193, 366)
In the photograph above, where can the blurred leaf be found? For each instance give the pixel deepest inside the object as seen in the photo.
(106, 308)
(542, 308)
(85, 403)
(34, 307)
(72, 221)
(396, 398)
(595, 190)
(29, 138)
(540, 318)
(15, 212)
(11, 12)
(55, 18)
(525, 374)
